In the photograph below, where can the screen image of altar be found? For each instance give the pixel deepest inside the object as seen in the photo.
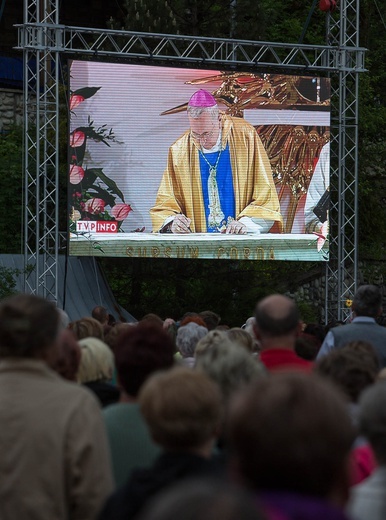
(128, 120)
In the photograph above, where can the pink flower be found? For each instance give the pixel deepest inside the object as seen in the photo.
(75, 100)
(76, 174)
(77, 138)
(120, 211)
(94, 206)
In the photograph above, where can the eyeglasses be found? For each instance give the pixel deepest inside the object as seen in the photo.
(202, 138)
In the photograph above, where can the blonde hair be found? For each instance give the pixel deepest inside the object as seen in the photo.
(242, 338)
(96, 362)
(214, 337)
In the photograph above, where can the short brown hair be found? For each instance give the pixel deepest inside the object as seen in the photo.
(292, 432)
(29, 325)
(181, 407)
(87, 328)
(352, 368)
(100, 314)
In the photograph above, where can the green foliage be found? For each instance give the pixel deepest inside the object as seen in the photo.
(244, 19)
(7, 281)
(172, 287)
(11, 206)
(308, 313)
(372, 135)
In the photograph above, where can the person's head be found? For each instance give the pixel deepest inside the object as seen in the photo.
(204, 119)
(203, 499)
(29, 327)
(211, 319)
(307, 346)
(372, 418)
(317, 330)
(140, 351)
(152, 319)
(182, 409)
(87, 328)
(64, 318)
(365, 351)
(250, 327)
(277, 321)
(111, 321)
(351, 370)
(96, 362)
(292, 432)
(113, 334)
(187, 338)
(367, 301)
(193, 318)
(242, 337)
(67, 364)
(100, 314)
(214, 337)
(230, 366)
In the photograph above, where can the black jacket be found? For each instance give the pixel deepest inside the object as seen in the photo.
(169, 468)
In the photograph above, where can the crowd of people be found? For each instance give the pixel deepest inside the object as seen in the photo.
(158, 419)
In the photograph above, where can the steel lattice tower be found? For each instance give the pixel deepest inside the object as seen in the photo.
(43, 41)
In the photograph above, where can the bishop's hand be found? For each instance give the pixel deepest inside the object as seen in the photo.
(234, 227)
(180, 225)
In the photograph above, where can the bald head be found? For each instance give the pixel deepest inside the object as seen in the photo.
(276, 316)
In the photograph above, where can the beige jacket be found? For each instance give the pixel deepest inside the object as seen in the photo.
(54, 459)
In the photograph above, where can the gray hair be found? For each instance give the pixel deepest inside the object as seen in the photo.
(230, 366)
(188, 336)
(29, 326)
(367, 301)
(372, 418)
(196, 112)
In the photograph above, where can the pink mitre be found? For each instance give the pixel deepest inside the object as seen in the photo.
(202, 98)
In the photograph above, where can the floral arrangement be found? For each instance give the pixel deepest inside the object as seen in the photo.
(92, 194)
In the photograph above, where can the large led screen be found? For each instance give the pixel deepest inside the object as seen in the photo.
(187, 163)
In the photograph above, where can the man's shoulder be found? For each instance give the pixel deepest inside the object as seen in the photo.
(359, 323)
(181, 141)
(240, 129)
(239, 123)
(73, 395)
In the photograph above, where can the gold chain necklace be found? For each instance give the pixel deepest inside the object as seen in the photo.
(212, 167)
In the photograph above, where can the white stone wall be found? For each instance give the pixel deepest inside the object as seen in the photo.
(11, 108)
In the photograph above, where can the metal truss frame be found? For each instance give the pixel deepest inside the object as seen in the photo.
(44, 41)
(342, 268)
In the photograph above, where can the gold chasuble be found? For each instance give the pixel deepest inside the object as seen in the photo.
(180, 190)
